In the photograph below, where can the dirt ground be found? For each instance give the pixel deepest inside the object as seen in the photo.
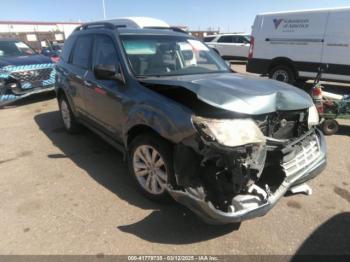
(65, 194)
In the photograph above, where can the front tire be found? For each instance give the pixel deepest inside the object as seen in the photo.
(282, 73)
(150, 160)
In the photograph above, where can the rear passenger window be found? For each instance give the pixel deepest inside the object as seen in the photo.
(105, 52)
(82, 52)
(225, 39)
(67, 48)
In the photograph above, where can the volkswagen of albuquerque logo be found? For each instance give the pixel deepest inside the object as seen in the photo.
(277, 22)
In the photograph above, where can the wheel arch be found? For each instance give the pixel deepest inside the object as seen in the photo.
(285, 61)
(140, 129)
(142, 119)
(60, 92)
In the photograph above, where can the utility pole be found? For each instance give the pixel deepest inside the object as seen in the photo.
(104, 9)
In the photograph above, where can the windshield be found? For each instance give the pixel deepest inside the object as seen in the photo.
(15, 48)
(159, 55)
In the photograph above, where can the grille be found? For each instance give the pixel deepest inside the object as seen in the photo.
(34, 77)
(307, 154)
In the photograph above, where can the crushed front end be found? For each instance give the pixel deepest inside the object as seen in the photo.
(234, 170)
(17, 82)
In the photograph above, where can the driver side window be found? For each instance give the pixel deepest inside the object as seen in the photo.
(105, 52)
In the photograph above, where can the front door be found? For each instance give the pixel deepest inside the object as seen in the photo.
(80, 64)
(104, 97)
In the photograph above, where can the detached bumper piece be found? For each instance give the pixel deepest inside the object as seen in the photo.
(17, 82)
(302, 160)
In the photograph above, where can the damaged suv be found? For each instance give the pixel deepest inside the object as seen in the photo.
(225, 145)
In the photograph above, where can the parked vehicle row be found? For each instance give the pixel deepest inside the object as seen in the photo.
(230, 46)
(23, 71)
(227, 146)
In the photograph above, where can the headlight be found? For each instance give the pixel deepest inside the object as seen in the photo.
(231, 133)
(314, 118)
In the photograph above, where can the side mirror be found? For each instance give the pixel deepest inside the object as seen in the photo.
(108, 72)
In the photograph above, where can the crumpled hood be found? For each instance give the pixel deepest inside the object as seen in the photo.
(240, 93)
(24, 60)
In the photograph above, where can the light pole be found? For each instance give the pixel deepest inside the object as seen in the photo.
(104, 9)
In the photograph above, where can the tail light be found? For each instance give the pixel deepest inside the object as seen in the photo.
(317, 92)
(55, 59)
(320, 107)
(251, 48)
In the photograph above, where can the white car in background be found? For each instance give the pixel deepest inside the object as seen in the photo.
(230, 46)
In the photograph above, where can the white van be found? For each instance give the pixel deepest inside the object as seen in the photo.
(291, 46)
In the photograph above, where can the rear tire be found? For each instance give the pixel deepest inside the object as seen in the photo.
(69, 121)
(150, 160)
(282, 73)
(330, 127)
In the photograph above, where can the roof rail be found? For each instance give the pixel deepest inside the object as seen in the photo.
(108, 25)
(98, 25)
(175, 29)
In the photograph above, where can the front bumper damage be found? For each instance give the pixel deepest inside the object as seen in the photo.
(18, 82)
(308, 162)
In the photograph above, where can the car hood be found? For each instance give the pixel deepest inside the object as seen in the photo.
(240, 93)
(24, 60)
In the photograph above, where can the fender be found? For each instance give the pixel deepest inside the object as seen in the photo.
(171, 126)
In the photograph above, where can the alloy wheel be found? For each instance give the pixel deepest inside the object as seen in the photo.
(150, 169)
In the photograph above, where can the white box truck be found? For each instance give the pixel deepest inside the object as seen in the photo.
(291, 46)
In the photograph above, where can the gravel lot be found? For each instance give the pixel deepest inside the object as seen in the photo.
(64, 194)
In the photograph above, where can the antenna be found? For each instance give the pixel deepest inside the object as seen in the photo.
(104, 9)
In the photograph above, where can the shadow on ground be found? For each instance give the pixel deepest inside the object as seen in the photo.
(331, 238)
(171, 224)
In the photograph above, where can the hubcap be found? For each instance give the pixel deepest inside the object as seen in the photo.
(281, 75)
(65, 114)
(150, 170)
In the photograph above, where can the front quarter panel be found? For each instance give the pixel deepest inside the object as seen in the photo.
(168, 118)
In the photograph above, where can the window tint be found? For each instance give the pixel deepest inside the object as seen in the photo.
(105, 52)
(208, 38)
(67, 48)
(241, 40)
(82, 52)
(225, 39)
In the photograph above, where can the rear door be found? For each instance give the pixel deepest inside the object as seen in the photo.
(80, 65)
(224, 45)
(104, 97)
(337, 46)
(240, 46)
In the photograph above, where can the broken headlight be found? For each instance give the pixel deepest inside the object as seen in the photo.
(231, 133)
(314, 118)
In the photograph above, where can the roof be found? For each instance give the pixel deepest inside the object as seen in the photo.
(9, 39)
(133, 31)
(308, 10)
(245, 34)
(138, 22)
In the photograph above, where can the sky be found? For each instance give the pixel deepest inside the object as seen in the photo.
(228, 15)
